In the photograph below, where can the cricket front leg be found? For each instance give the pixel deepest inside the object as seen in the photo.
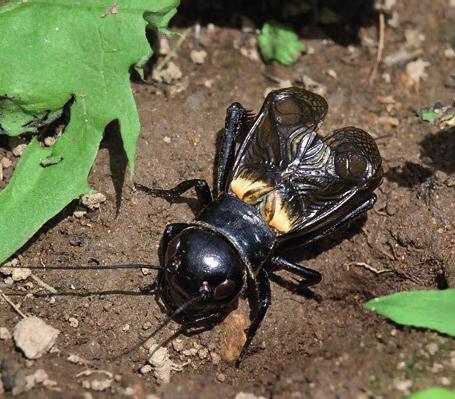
(263, 301)
(172, 195)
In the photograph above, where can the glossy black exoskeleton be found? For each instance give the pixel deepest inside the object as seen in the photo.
(284, 186)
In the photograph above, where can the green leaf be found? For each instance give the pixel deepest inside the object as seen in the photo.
(439, 115)
(431, 114)
(53, 51)
(160, 21)
(279, 43)
(427, 309)
(434, 393)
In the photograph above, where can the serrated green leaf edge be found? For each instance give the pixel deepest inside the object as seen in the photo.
(433, 393)
(47, 179)
(424, 309)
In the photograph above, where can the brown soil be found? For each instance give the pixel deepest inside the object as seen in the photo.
(304, 349)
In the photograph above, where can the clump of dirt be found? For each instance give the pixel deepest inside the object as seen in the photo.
(306, 348)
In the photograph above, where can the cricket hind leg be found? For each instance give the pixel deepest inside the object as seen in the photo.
(309, 276)
(300, 241)
(236, 119)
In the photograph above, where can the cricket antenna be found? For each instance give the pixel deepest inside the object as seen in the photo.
(89, 267)
(176, 312)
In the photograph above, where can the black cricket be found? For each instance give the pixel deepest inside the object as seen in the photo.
(284, 187)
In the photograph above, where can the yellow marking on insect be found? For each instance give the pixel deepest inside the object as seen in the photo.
(276, 213)
(248, 190)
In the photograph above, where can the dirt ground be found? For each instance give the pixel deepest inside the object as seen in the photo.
(305, 349)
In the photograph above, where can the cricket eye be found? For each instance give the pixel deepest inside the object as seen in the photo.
(171, 249)
(224, 290)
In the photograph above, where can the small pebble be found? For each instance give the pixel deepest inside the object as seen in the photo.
(126, 328)
(79, 214)
(244, 395)
(6, 162)
(167, 139)
(386, 77)
(149, 343)
(6, 270)
(25, 383)
(146, 369)
(73, 322)
(4, 334)
(8, 281)
(100, 385)
(164, 46)
(233, 330)
(332, 73)
(198, 57)
(432, 348)
(146, 272)
(18, 150)
(34, 337)
(168, 74)
(177, 344)
(394, 20)
(221, 377)
(203, 353)
(416, 70)
(449, 53)
(146, 325)
(437, 367)
(216, 358)
(209, 83)
(50, 141)
(21, 274)
(388, 120)
(250, 53)
(162, 365)
(445, 381)
(403, 385)
(401, 366)
(93, 201)
(76, 359)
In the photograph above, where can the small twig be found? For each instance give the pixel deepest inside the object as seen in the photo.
(44, 285)
(368, 267)
(381, 213)
(274, 79)
(380, 48)
(87, 373)
(13, 305)
(384, 136)
(385, 253)
(173, 51)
